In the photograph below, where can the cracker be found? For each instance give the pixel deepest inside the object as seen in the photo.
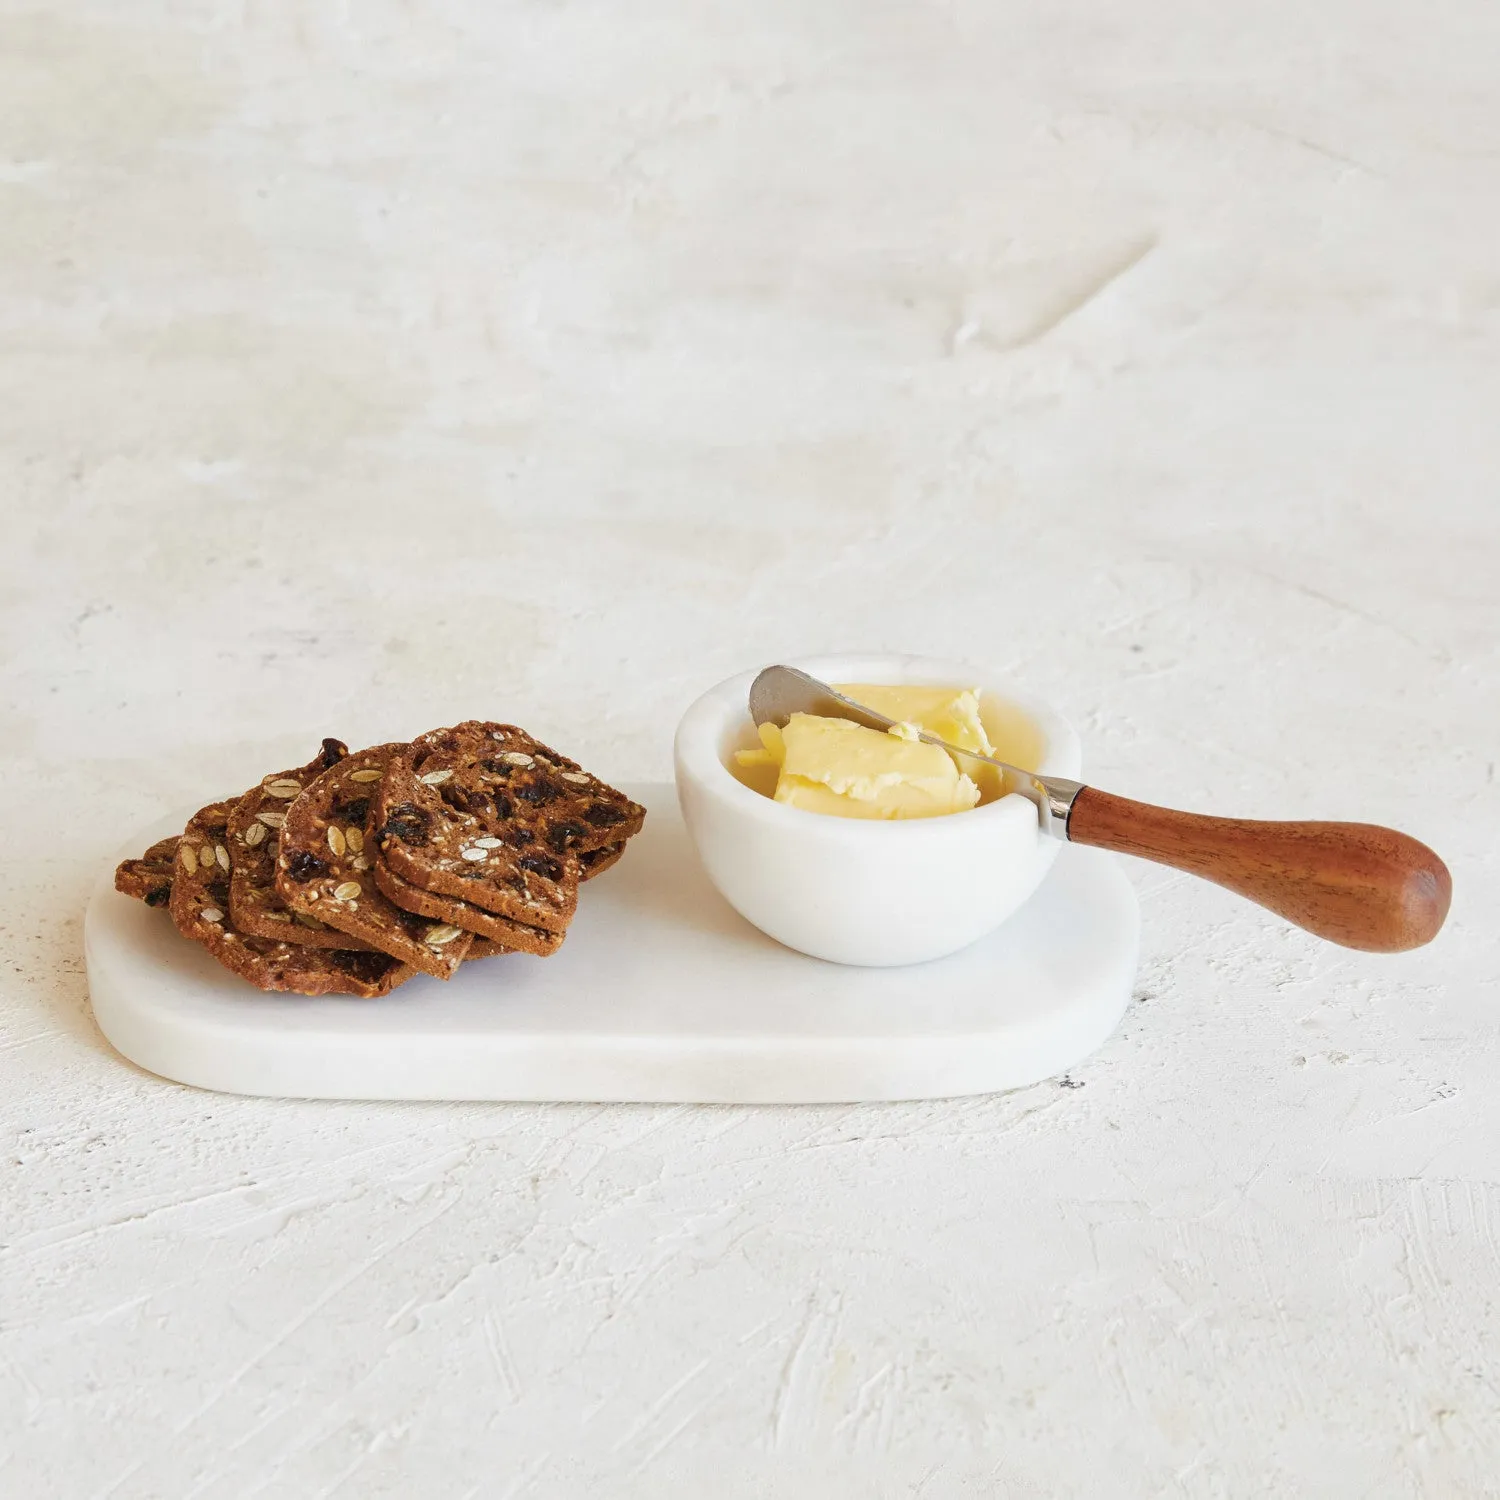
(324, 868)
(149, 878)
(594, 862)
(254, 839)
(488, 814)
(200, 908)
(483, 947)
(513, 937)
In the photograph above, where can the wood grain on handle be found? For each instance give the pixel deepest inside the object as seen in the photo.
(1352, 883)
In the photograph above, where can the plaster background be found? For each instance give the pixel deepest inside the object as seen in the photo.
(367, 367)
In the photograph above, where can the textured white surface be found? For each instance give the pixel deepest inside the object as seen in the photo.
(662, 993)
(362, 367)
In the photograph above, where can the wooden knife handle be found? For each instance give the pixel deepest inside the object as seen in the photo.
(1352, 883)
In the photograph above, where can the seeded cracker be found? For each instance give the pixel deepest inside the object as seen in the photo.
(324, 868)
(596, 861)
(488, 814)
(149, 878)
(511, 937)
(483, 947)
(200, 908)
(254, 839)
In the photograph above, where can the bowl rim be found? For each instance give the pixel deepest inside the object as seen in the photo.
(702, 726)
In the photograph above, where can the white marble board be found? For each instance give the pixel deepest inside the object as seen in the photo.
(661, 993)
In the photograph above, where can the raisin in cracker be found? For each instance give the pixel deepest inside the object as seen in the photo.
(461, 838)
(511, 937)
(200, 908)
(324, 868)
(254, 840)
(594, 862)
(488, 814)
(149, 878)
(570, 809)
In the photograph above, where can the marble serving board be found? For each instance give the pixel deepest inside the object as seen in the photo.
(661, 993)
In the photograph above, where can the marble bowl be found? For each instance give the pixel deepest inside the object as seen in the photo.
(874, 893)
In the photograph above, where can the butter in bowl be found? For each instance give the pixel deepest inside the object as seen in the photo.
(846, 770)
(919, 858)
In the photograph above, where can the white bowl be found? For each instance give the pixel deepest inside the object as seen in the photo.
(869, 892)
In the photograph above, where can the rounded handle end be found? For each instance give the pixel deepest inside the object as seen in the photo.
(1421, 891)
(1353, 883)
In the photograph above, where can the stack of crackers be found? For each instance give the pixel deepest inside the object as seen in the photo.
(350, 874)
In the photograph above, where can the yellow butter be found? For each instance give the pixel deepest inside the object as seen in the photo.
(862, 763)
(770, 752)
(952, 714)
(840, 768)
(898, 801)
